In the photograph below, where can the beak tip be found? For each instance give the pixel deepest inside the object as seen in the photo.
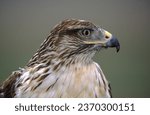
(117, 48)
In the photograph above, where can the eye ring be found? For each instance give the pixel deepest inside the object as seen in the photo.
(86, 32)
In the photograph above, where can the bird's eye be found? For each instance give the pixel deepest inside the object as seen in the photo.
(86, 32)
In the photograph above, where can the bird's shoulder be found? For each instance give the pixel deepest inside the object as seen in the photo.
(7, 88)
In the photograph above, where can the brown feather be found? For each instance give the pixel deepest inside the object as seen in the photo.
(7, 89)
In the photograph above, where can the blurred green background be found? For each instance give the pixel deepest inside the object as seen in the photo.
(24, 24)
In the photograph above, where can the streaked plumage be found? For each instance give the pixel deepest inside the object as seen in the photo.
(63, 65)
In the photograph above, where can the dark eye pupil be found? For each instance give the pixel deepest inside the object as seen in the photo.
(86, 32)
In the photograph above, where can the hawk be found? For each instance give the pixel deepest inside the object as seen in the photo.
(63, 67)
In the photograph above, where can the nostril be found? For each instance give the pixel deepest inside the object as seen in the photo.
(106, 37)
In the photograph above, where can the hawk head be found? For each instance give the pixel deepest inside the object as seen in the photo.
(76, 40)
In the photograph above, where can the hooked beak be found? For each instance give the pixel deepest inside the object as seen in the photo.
(111, 42)
(108, 40)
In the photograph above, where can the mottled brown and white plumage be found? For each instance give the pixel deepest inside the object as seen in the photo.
(63, 65)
